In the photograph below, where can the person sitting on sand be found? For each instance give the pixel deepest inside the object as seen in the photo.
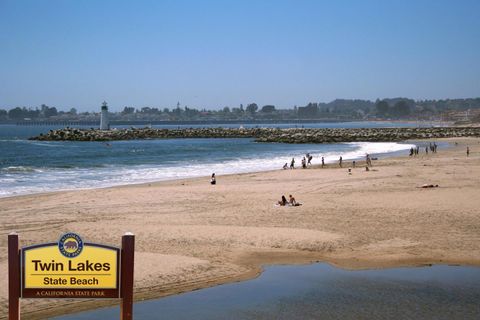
(213, 180)
(293, 202)
(283, 202)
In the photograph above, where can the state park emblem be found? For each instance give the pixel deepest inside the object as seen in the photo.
(70, 245)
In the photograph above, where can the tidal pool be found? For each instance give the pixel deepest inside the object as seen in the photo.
(321, 291)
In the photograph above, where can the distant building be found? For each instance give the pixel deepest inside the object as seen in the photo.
(104, 125)
(461, 116)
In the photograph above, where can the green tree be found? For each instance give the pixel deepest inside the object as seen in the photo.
(401, 109)
(309, 111)
(268, 109)
(382, 107)
(50, 112)
(128, 110)
(252, 108)
(17, 113)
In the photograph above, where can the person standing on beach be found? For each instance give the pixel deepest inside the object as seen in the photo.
(310, 157)
(213, 180)
(304, 163)
(340, 161)
(468, 151)
(323, 162)
(292, 164)
(368, 160)
(426, 150)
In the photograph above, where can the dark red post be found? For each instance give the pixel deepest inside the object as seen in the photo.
(13, 277)
(128, 249)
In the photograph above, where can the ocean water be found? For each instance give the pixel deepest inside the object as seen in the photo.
(37, 166)
(321, 291)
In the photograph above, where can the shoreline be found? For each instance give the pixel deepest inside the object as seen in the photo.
(327, 163)
(225, 254)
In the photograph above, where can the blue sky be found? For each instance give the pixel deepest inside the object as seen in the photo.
(223, 53)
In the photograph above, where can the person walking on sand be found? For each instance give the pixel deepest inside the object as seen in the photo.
(310, 157)
(468, 151)
(340, 161)
(323, 162)
(292, 163)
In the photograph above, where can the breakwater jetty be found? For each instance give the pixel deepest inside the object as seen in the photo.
(293, 135)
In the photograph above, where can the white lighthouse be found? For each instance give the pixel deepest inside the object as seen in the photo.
(104, 125)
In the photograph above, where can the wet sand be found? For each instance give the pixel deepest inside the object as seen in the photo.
(191, 235)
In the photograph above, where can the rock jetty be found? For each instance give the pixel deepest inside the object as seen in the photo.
(293, 135)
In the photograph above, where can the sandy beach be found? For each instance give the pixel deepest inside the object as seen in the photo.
(190, 234)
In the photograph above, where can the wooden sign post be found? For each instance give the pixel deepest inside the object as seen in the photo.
(71, 268)
(13, 277)
(128, 249)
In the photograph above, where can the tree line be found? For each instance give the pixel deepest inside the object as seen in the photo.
(341, 109)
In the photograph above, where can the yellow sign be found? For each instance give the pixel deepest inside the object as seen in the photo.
(70, 264)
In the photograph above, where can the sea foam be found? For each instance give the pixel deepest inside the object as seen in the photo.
(17, 180)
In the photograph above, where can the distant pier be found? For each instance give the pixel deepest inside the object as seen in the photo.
(58, 123)
(96, 123)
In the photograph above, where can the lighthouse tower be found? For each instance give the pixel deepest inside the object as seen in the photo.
(104, 125)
